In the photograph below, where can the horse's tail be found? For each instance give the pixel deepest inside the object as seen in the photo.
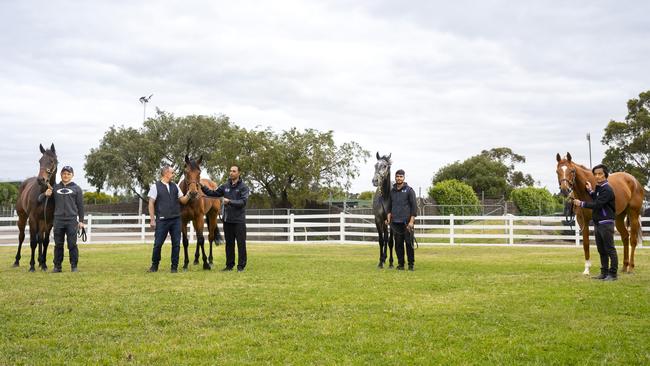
(639, 241)
(217, 235)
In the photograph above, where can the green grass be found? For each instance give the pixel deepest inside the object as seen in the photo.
(326, 304)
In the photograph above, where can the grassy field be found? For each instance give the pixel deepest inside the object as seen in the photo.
(326, 304)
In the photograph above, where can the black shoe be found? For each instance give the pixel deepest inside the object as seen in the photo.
(411, 268)
(174, 270)
(240, 269)
(600, 277)
(400, 268)
(152, 269)
(610, 278)
(56, 270)
(74, 269)
(226, 269)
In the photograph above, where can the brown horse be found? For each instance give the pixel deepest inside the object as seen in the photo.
(198, 208)
(39, 215)
(629, 194)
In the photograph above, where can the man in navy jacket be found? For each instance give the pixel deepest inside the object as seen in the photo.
(235, 195)
(402, 210)
(603, 212)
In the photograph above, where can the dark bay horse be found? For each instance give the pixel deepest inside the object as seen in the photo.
(629, 194)
(198, 209)
(380, 202)
(39, 215)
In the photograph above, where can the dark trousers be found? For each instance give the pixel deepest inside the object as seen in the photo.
(163, 227)
(63, 230)
(403, 236)
(235, 231)
(606, 249)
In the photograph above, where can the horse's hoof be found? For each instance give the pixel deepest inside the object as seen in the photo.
(206, 266)
(196, 261)
(391, 266)
(380, 266)
(15, 264)
(31, 269)
(184, 269)
(44, 269)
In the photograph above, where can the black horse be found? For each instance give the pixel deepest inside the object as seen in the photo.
(380, 203)
(39, 215)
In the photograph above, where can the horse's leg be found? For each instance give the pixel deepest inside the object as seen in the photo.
(22, 221)
(390, 247)
(186, 259)
(380, 239)
(46, 243)
(33, 243)
(211, 222)
(200, 240)
(585, 244)
(635, 225)
(196, 252)
(625, 237)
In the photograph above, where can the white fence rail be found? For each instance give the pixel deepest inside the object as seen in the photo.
(347, 228)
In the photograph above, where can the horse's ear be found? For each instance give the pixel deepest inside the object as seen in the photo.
(52, 148)
(558, 157)
(389, 155)
(198, 162)
(187, 159)
(42, 149)
(377, 154)
(568, 156)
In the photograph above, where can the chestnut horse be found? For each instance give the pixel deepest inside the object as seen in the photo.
(629, 194)
(39, 215)
(380, 202)
(198, 208)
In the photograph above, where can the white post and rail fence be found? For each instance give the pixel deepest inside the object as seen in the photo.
(347, 228)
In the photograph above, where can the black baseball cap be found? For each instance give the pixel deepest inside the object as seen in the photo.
(68, 168)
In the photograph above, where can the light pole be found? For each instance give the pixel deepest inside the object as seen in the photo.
(589, 139)
(144, 101)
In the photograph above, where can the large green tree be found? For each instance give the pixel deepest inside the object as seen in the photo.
(629, 141)
(492, 172)
(8, 194)
(289, 167)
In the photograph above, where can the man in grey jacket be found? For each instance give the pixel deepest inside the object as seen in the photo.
(68, 217)
(402, 210)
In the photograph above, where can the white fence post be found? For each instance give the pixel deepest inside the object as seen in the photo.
(511, 229)
(292, 219)
(89, 229)
(143, 227)
(451, 229)
(342, 227)
(577, 233)
(191, 235)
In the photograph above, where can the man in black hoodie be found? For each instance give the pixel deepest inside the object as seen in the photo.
(235, 195)
(68, 207)
(402, 210)
(603, 212)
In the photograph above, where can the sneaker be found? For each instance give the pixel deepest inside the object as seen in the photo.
(240, 269)
(610, 278)
(400, 268)
(152, 269)
(411, 268)
(56, 270)
(600, 277)
(74, 269)
(174, 270)
(226, 269)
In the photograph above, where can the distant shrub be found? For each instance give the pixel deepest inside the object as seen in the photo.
(455, 197)
(533, 201)
(100, 198)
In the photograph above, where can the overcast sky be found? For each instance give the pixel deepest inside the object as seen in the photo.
(429, 82)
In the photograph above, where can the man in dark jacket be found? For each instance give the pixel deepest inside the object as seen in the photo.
(603, 212)
(235, 195)
(68, 208)
(165, 216)
(402, 210)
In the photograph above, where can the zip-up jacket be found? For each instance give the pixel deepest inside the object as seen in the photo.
(68, 202)
(402, 204)
(235, 211)
(604, 205)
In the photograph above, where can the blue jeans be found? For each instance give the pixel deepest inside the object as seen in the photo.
(163, 227)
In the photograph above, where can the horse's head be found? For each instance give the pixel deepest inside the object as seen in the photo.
(192, 175)
(566, 174)
(382, 169)
(48, 166)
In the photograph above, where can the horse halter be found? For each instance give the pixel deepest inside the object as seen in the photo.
(571, 183)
